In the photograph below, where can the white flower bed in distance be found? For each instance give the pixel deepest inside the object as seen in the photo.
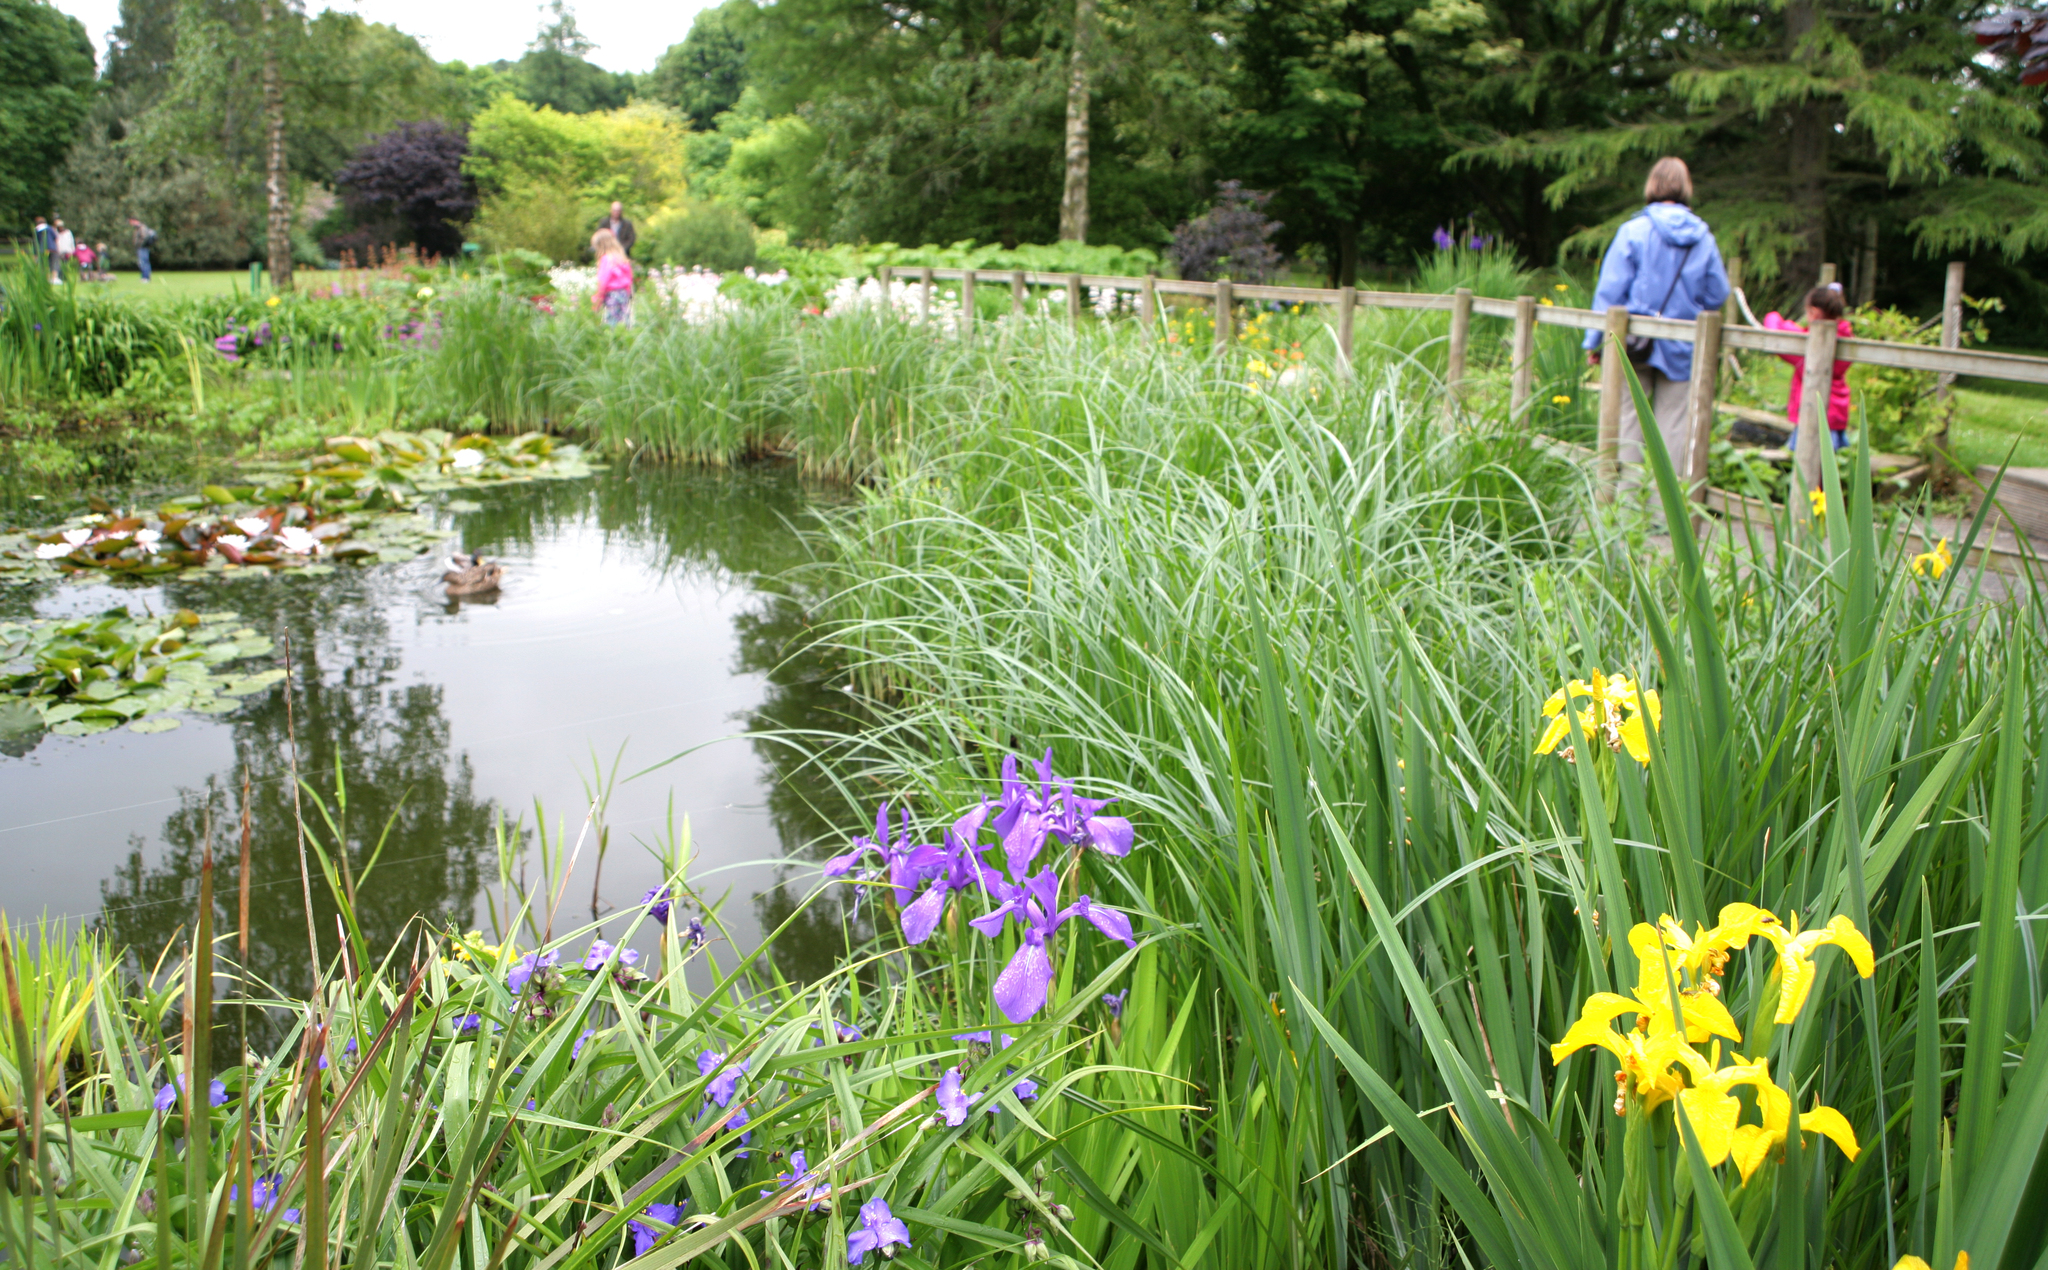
(856, 295)
(693, 295)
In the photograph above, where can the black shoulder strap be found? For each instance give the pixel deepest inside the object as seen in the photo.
(1676, 274)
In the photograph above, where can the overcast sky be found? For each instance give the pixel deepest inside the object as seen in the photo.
(629, 35)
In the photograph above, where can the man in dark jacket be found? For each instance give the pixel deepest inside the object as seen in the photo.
(144, 238)
(622, 229)
(46, 244)
(1663, 263)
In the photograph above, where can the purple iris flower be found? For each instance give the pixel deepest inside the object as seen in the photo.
(958, 868)
(726, 1082)
(167, 1096)
(1020, 818)
(879, 1231)
(228, 346)
(799, 1175)
(1442, 238)
(530, 965)
(1480, 242)
(904, 862)
(658, 901)
(1079, 822)
(954, 1101)
(646, 1236)
(1115, 1002)
(1021, 988)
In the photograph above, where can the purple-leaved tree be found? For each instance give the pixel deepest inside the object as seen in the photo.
(407, 185)
(1234, 237)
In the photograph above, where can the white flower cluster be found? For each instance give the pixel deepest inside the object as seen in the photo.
(1106, 301)
(693, 294)
(853, 295)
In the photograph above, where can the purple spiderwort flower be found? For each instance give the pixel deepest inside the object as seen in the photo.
(602, 952)
(1021, 988)
(576, 1050)
(879, 1231)
(167, 1096)
(529, 966)
(262, 1193)
(658, 901)
(799, 1175)
(738, 1124)
(693, 935)
(953, 1101)
(467, 1023)
(646, 1236)
(726, 1082)
(1115, 1002)
(1025, 1089)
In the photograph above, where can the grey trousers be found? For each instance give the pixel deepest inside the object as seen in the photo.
(1671, 402)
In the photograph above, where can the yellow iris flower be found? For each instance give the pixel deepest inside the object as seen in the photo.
(1911, 1262)
(1700, 1006)
(1647, 1055)
(1795, 949)
(1935, 562)
(1819, 499)
(1714, 1111)
(1614, 711)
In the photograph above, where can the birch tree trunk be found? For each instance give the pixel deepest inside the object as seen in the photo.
(1074, 201)
(280, 219)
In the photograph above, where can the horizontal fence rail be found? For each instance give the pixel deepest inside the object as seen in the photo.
(1707, 333)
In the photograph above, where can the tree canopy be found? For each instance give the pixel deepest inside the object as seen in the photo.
(46, 88)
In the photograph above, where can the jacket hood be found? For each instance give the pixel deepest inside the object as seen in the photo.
(1678, 224)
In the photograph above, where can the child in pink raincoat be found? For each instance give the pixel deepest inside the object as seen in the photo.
(1823, 304)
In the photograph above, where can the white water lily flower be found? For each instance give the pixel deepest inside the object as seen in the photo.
(468, 458)
(147, 539)
(53, 550)
(236, 541)
(297, 541)
(254, 526)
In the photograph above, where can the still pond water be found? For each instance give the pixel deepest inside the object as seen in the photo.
(647, 614)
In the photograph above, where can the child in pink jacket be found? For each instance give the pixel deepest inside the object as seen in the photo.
(1823, 304)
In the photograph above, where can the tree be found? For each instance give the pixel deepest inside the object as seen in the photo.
(411, 180)
(555, 73)
(275, 179)
(1802, 122)
(46, 88)
(1074, 199)
(704, 75)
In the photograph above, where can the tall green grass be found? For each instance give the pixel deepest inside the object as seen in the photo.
(1312, 636)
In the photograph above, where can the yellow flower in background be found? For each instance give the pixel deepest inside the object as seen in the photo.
(1560, 400)
(1615, 711)
(1934, 562)
(1562, 286)
(1548, 301)
(1819, 499)
(273, 302)
(425, 293)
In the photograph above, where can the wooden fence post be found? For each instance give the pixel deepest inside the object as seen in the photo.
(1814, 443)
(1731, 313)
(924, 294)
(1347, 309)
(1148, 301)
(1613, 385)
(1951, 320)
(966, 303)
(1706, 379)
(1461, 342)
(1524, 381)
(1017, 291)
(1074, 301)
(883, 276)
(1225, 324)
(1827, 274)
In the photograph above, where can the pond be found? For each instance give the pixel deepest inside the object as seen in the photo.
(650, 618)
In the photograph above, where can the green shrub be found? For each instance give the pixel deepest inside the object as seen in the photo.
(714, 235)
(550, 219)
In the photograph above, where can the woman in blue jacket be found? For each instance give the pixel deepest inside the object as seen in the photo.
(1663, 263)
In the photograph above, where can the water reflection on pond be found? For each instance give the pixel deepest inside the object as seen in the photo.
(646, 614)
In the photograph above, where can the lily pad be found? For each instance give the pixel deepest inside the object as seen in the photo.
(156, 723)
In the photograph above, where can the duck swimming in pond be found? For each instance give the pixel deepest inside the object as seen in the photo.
(471, 575)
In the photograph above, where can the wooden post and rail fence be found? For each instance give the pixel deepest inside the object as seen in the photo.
(1710, 334)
